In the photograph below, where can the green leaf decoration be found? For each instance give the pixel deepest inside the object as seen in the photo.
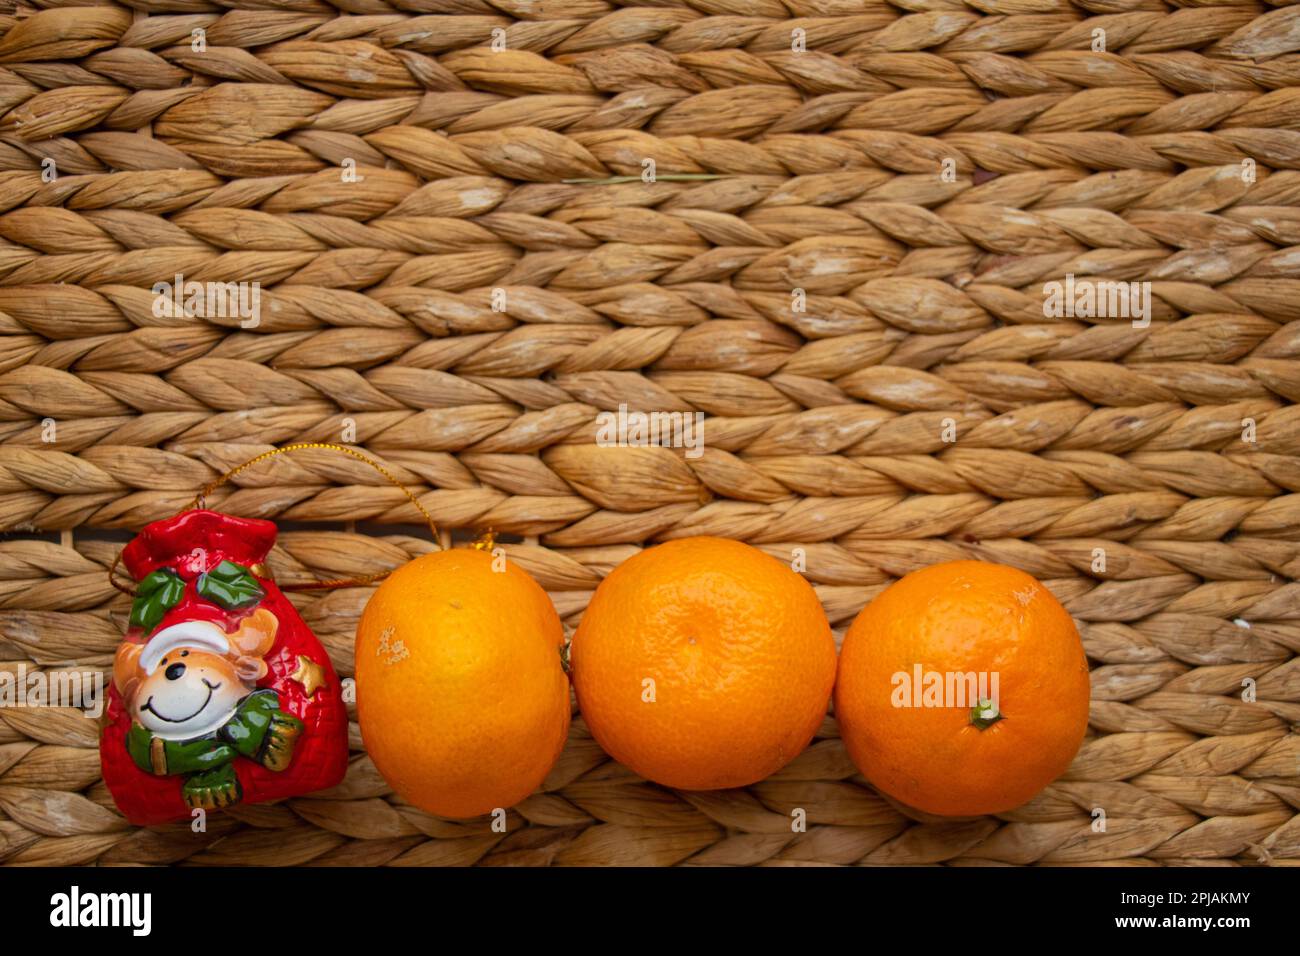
(157, 594)
(230, 585)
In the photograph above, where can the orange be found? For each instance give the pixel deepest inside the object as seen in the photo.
(461, 691)
(928, 742)
(703, 663)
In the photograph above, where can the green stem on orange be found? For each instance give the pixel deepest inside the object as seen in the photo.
(985, 714)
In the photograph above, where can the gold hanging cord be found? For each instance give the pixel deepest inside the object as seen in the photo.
(200, 501)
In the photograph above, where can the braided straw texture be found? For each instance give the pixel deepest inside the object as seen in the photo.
(919, 170)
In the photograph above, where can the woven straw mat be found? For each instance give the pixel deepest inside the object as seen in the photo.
(919, 169)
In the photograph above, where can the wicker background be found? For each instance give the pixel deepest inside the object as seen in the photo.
(924, 303)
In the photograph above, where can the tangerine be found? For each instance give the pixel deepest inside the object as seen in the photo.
(461, 693)
(703, 663)
(914, 650)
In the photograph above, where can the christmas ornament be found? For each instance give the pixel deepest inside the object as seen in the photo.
(220, 693)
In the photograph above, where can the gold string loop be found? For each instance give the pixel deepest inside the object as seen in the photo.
(200, 501)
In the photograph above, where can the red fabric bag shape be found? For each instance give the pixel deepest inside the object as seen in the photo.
(220, 693)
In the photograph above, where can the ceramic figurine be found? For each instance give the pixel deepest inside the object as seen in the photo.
(220, 694)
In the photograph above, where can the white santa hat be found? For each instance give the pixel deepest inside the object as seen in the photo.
(202, 635)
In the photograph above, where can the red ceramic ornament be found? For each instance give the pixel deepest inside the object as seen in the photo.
(220, 694)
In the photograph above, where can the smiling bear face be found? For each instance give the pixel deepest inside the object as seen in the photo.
(191, 692)
(189, 678)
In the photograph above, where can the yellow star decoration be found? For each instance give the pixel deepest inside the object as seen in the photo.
(310, 674)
